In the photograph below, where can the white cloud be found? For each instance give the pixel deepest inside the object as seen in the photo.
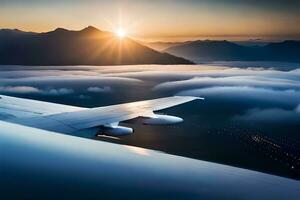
(29, 89)
(288, 97)
(202, 79)
(99, 89)
(19, 89)
(257, 64)
(58, 92)
(254, 81)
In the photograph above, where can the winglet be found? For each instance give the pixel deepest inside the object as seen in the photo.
(201, 98)
(193, 97)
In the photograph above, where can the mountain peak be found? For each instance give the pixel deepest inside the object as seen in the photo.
(84, 47)
(15, 32)
(6, 29)
(60, 30)
(223, 50)
(90, 29)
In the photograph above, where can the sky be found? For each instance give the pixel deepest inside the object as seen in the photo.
(169, 20)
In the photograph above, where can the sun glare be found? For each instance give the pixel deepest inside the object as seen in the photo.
(121, 33)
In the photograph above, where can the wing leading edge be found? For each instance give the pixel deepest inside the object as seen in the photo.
(106, 115)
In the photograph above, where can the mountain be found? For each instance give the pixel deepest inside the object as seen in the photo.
(89, 46)
(159, 46)
(208, 50)
(252, 42)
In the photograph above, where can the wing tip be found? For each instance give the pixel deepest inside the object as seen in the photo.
(200, 98)
(193, 97)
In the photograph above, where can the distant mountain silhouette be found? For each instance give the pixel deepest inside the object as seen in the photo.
(89, 46)
(207, 50)
(160, 46)
(252, 42)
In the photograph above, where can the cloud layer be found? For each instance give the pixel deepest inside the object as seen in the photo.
(99, 89)
(266, 91)
(34, 90)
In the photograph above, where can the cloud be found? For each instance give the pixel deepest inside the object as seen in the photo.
(254, 81)
(298, 108)
(35, 90)
(205, 80)
(99, 89)
(19, 89)
(273, 115)
(84, 96)
(58, 92)
(183, 72)
(256, 64)
(288, 97)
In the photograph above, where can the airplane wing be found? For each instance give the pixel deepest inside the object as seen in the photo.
(21, 108)
(86, 169)
(71, 120)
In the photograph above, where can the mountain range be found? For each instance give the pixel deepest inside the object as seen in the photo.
(209, 50)
(89, 46)
(160, 46)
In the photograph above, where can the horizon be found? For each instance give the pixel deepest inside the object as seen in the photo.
(159, 20)
(203, 38)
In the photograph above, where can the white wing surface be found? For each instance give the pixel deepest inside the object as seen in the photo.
(58, 159)
(70, 119)
(20, 108)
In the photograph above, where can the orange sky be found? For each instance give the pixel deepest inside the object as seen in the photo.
(170, 20)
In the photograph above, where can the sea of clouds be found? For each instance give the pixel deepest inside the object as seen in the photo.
(271, 95)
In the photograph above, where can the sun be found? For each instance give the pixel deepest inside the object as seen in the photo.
(121, 33)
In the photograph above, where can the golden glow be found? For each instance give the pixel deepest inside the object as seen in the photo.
(158, 20)
(121, 33)
(138, 150)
